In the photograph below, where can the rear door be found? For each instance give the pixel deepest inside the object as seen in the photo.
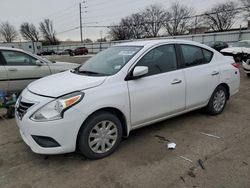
(202, 75)
(3, 76)
(22, 69)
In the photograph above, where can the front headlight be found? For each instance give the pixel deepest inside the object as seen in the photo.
(54, 110)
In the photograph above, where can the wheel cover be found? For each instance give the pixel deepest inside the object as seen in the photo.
(103, 136)
(219, 100)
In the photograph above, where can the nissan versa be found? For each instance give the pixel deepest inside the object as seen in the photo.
(128, 86)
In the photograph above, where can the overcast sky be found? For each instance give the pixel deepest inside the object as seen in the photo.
(65, 13)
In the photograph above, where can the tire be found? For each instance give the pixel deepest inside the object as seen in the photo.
(221, 95)
(248, 74)
(89, 145)
(85, 53)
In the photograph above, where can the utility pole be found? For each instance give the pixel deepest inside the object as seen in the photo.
(101, 35)
(80, 8)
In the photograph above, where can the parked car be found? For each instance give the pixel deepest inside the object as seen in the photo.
(241, 53)
(47, 52)
(19, 68)
(65, 52)
(218, 45)
(123, 88)
(80, 51)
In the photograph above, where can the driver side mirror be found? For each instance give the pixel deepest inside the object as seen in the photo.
(39, 63)
(140, 71)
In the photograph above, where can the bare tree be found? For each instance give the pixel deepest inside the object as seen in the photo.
(246, 4)
(178, 19)
(8, 32)
(153, 18)
(222, 16)
(135, 24)
(48, 32)
(29, 32)
(119, 32)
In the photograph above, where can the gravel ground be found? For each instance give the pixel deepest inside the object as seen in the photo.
(143, 159)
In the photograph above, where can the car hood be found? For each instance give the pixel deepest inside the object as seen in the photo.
(59, 63)
(236, 50)
(63, 83)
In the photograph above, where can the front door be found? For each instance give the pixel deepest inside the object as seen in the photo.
(162, 91)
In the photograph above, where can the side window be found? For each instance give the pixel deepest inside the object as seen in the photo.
(192, 55)
(159, 60)
(18, 58)
(207, 55)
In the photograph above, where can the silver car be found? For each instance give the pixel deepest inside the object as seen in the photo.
(19, 68)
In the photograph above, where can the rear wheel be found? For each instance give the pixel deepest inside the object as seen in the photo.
(217, 101)
(248, 74)
(100, 135)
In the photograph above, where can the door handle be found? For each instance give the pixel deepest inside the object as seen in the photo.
(214, 73)
(12, 69)
(176, 81)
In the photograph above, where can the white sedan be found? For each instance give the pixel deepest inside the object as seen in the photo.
(19, 68)
(123, 88)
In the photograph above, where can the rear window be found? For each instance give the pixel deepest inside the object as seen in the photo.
(194, 55)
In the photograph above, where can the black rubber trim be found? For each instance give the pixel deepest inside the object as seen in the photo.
(18, 79)
(45, 142)
(41, 95)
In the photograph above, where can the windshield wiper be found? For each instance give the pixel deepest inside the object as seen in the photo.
(88, 72)
(78, 71)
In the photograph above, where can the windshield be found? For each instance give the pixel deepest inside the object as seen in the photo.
(110, 61)
(242, 44)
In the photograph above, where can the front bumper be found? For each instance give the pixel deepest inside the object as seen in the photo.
(63, 131)
(246, 67)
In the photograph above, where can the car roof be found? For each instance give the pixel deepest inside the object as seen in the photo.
(12, 49)
(156, 42)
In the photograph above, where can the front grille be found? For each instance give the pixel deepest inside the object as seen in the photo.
(22, 108)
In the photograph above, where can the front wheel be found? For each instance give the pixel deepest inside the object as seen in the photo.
(248, 74)
(100, 135)
(217, 101)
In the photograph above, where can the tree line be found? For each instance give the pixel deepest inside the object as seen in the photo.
(30, 32)
(155, 20)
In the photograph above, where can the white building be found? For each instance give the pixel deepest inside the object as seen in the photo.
(33, 47)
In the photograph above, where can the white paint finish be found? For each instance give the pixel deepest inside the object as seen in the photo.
(200, 83)
(54, 85)
(143, 101)
(155, 96)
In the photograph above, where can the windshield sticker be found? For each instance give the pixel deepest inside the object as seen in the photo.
(117, 67)
(129, 53)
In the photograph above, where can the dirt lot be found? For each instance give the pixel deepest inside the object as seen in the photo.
(143, 159)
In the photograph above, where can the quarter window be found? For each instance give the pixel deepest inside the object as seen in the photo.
(18, 58)
(207, 55)
(194, 55)
(159, 60)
